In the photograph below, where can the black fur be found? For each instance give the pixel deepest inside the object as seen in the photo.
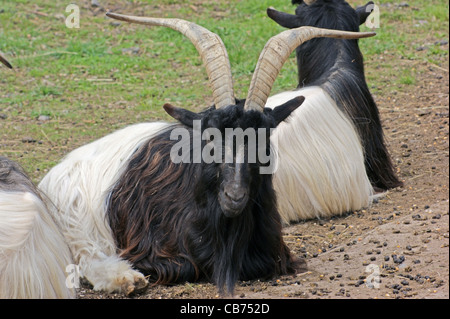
(168, 221)
(337, 66)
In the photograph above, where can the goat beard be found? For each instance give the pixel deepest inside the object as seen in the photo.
(251, 246)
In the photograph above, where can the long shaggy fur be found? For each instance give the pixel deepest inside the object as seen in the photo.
(177, 240)
(321, 169)
(337, 67)
(33, 253)
(79, 187)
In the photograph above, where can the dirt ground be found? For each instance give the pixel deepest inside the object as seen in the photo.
(397, 248)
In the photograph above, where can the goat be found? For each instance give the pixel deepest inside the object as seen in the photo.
(33, 252)
(337, 68)
(321, 173)
(129, 210)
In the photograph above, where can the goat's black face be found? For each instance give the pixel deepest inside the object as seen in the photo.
(337, 11)
(234, 138)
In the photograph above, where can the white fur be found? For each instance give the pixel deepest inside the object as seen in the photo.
(33, 253)
(79, 186)
(321, 170)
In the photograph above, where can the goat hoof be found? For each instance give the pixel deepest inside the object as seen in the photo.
(139, 285)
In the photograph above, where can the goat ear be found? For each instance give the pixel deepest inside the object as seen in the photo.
(183, 116)
(282, 112)
(286, 20)
(364, 11)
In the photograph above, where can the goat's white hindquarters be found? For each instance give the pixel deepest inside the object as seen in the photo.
(321, 169)
(33, 253)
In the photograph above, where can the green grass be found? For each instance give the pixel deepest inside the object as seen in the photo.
(90, 84)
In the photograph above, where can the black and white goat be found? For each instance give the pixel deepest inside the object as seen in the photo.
(339, 114)
(128, 210)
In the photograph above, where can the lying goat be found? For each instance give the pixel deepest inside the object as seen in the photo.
(320, 174)
(129, 210)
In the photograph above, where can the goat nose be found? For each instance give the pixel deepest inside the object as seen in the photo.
(235, 195)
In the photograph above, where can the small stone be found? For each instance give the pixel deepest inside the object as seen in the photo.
(132, 50)
(398, 259)
(28, 139)
(43, 118)
(442, 42)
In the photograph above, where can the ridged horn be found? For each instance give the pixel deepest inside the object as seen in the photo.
(309, 2)
(210, 47)
(276, 52)
(5, 62)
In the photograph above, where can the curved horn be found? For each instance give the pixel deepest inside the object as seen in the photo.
(208, 44)
(5, 62)
(277, 51)
(309, 2)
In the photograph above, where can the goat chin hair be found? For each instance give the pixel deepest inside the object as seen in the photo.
(33, 253)
(321, 170)
(79, 186)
